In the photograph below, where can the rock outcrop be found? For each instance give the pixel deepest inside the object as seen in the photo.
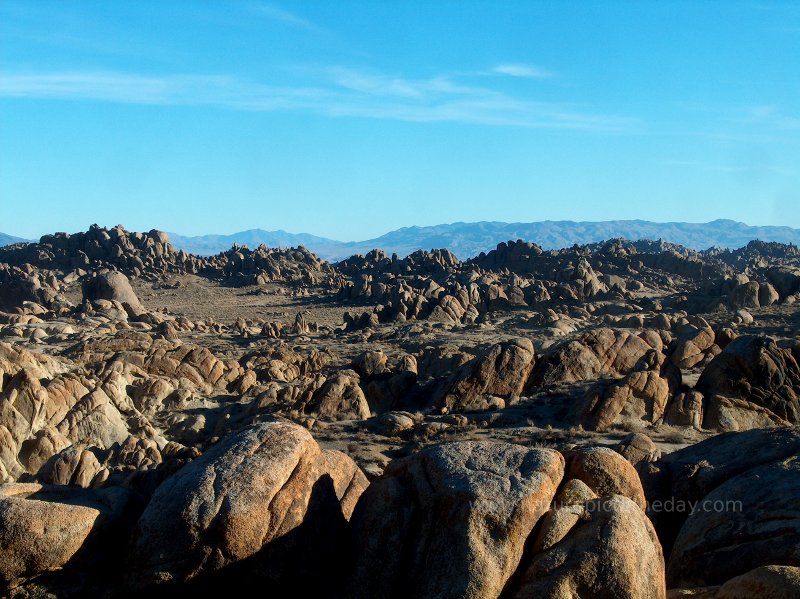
(500, 372)
(753, 382)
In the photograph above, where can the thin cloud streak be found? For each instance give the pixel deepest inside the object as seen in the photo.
(337, 92)
(274, 13)
(522, 70)
(750, 168)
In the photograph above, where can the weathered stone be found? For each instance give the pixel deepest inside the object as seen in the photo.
(451, 520)
(501, 371)
(249, 491)
(112, 286)
(39, 535)
(603, 548)
(750, 520)
(340, 397)
(755, 370)
(694, 338)
(606, 472)
(765, 582)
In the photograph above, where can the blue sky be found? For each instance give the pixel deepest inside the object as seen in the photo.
(349, 119)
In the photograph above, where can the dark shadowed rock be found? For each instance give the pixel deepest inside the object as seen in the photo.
(679, 480)
(751, 520)
(752, 382)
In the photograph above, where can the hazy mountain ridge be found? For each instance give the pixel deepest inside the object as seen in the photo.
(206, 245)
(6, 239)
(470, 239)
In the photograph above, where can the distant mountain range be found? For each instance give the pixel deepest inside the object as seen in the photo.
(9, 239)
(206, 245)
(470, 239)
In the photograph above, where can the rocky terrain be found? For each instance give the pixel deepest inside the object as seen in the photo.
(614, 419)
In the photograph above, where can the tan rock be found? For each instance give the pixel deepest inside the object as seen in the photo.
(766, 582)
(501, 371)
(731, 414)
(607, 473)
(694, 338)
(638, 448)
(251, 490)
(572, 492)
(340, 397)
(602, 548)
(77, 465)
(38, 536)
(686, 409)
(94, 417)
(601, 351)
(370, 362)
(112, 286)
(349, 481)
(451, 520)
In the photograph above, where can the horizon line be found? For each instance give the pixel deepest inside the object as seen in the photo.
(409, 227)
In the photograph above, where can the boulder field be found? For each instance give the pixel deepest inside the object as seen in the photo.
(609, 420)
(267, 506)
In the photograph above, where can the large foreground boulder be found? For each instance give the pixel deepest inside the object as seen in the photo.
(267, 495)
(38, 536)
(727, 504)
(452, 520)
(602, 549)
(46, 528)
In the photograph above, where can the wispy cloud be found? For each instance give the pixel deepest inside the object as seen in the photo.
(334, 91)
(112, 87)
(275, 13)
(734, 168)
(768, 115)
(522, 70)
